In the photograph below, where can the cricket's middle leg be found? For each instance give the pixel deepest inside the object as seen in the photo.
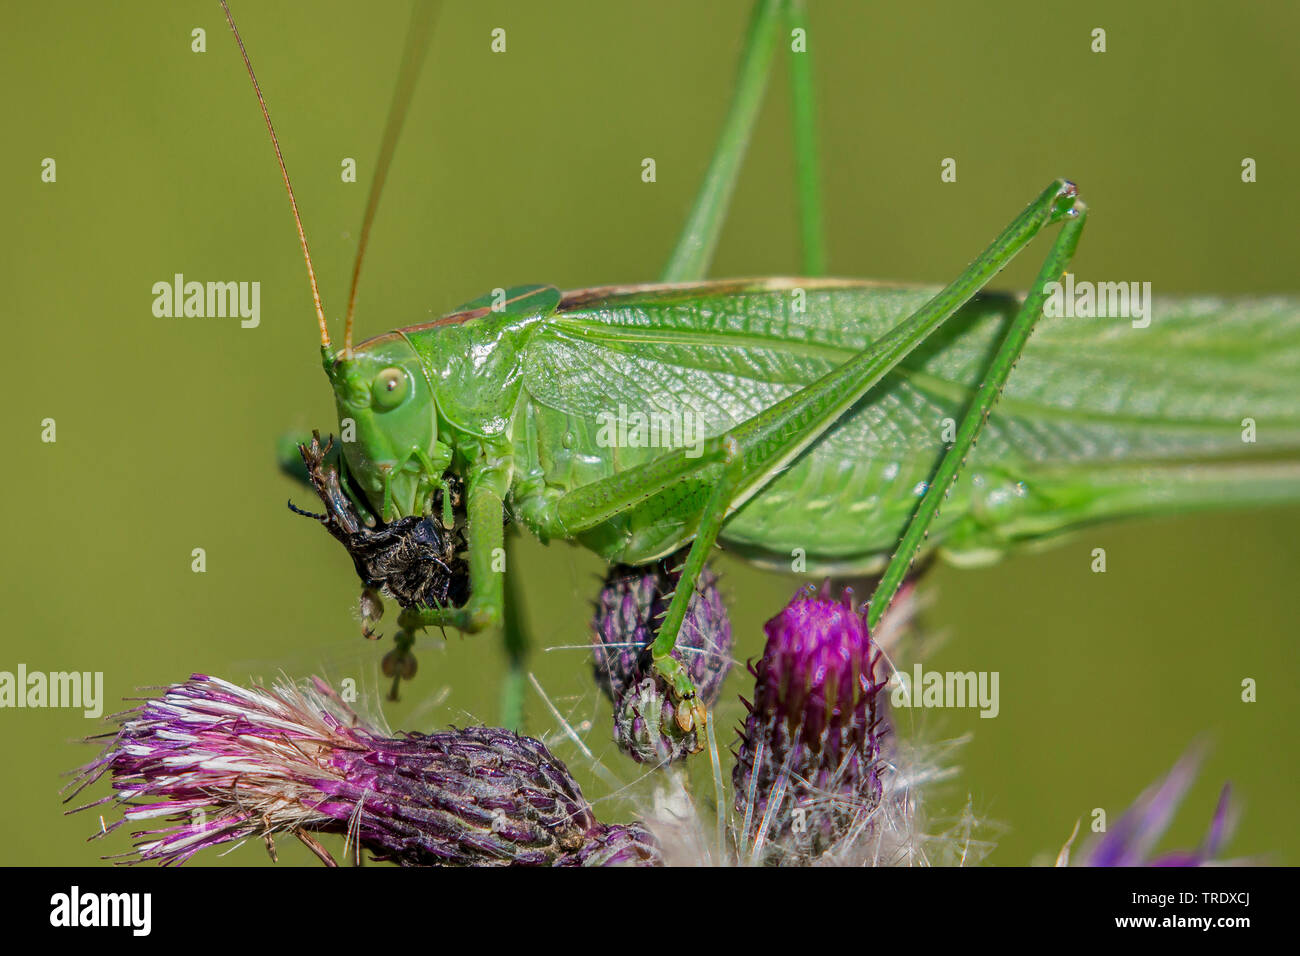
(756, 450)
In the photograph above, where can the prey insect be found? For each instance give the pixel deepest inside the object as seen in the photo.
(416, 559)
(820, 403)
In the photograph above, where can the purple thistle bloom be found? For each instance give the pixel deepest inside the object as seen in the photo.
(222, 763)
(1131, 840)
(632, 602)
(808, 771)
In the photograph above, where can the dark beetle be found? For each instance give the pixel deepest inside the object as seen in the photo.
(414, 560)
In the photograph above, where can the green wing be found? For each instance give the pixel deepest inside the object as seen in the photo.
(1100, 419)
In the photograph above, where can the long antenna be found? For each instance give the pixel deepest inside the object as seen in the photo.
(302, 236)
(423, 16)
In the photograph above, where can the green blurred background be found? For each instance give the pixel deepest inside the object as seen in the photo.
(525, 167)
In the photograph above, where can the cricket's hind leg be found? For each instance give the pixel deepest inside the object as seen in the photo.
(739, 464)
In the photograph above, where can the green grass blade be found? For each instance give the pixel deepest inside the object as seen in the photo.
(694, 250)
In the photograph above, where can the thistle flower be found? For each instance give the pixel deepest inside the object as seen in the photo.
(632, 602)
(809, 771)
(1131, 840)
(224, 763)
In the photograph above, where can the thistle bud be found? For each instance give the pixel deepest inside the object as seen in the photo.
(619, 845)
(224, 763)
(631, 606)
(808, 769)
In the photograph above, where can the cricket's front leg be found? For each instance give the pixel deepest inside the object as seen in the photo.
(485, 535)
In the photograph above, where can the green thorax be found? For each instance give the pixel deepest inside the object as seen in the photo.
(411, 401)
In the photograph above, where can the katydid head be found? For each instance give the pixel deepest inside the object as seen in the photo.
(389, 425)
(386, 409)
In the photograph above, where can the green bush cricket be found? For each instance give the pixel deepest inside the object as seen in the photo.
(825, 417)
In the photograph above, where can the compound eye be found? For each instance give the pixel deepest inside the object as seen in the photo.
(390, 388)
